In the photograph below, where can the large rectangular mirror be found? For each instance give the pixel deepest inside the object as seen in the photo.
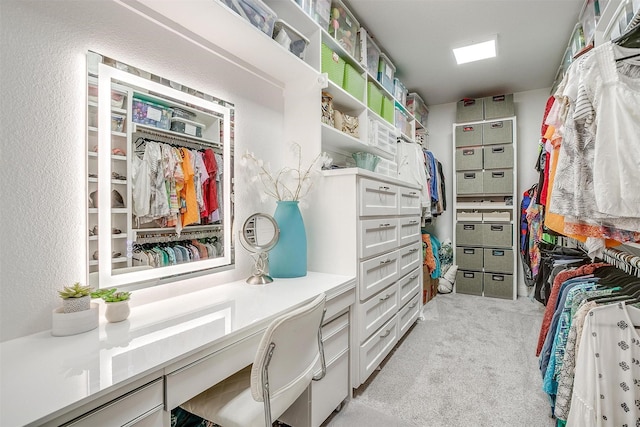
(160, 168)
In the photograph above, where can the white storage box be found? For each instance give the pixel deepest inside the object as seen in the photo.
(256, 12)
(496, 216)
(469, 216)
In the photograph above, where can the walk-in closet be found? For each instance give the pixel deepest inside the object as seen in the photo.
(320, 213)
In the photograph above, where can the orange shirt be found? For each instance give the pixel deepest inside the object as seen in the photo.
(190, 212)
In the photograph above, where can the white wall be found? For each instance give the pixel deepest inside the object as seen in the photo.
(42, 164)
(529, 109)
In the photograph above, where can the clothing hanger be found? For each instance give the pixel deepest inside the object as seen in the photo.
(630, 39)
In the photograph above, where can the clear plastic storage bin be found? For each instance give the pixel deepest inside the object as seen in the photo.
(399, 91)
(344, 27)
(386, 72)
(290, 38)
(418, 108)
(369, 53)
(256, 12)
(151, 114)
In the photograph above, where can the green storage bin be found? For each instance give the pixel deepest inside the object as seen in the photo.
(374, 98)
(353, 82)
(333, 65)
(388, 110)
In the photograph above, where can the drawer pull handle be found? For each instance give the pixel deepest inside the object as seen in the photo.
(497, 150)
(470, 175)
(468, 251)
(469, 227)
(497, 174)
(386, 297)
(497, 253)
(385, 225)
(413, 221)
(468, 275)
(387, 261)
(468, 102)
(413, 277)
(413, 250)
(499, 98)
(412, 193)
(468, 129)
(386, 334)
(383, 188)
(414, 304)
(496, 125)
(497, 228)
(468, 152)
(498, 278)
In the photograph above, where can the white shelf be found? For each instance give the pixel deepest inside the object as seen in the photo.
(338, 140)
(113, 236)
(176, 134)
(483, 206)
(119, 134)
(212, 24)
(344, 101)
(113, 156)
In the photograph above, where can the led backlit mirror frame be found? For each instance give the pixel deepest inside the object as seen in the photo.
(107, 275)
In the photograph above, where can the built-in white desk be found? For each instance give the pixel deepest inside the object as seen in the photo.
(165, 353)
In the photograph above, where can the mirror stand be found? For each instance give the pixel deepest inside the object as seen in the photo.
(259, 235)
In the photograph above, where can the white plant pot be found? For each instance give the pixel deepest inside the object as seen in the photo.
(117, 311)
(64, 324)
(72, 305)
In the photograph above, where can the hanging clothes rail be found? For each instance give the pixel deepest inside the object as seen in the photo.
(171, 237)
(176, 140)
(623, 260)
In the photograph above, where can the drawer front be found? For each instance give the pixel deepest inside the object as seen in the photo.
(376, 348)
(335, 337)
(498, 181)
(131, 408)
(409, 201)
(408, 314)
(378, 198)
(498, 285)
(498, 132)
(327, 393)
(376, 311)
(469, 282)
(469, 110)
(378, 236)
(409, 230)
(498, 260)
(468, 135)
(339, 303)
(193, 379)
(498, 106)
(497, 235)
(408, 285)
(468, 159)
(410, 258)
(150, 419)
(469, 182)
(378, 273)
(468, 234)
(498, 157)
(469, 258)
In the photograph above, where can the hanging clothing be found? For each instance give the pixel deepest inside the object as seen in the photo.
(189, 209)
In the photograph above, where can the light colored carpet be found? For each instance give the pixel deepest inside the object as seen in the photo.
(470, 362)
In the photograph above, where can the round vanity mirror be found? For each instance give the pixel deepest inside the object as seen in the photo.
(259, 235)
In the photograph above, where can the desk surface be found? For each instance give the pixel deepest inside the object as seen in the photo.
(43, 376)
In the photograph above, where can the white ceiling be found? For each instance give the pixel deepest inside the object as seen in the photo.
(418, 36)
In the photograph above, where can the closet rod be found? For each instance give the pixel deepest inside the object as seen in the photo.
(625, 261)
(170, 237)
(173, 139)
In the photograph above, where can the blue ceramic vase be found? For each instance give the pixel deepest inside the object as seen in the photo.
(289, 257)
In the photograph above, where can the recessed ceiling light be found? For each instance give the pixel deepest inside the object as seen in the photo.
(475, 52)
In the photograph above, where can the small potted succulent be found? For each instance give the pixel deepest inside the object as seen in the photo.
(117, 303)
(75, 298)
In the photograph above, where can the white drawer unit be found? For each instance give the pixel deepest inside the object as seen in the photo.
(377, 347)
(377, 310)
(378, 273)
(409, 230)
(408, 314)
(378, 198)
(365, 211)
(410, 257)
(381, 235)
(408, 286)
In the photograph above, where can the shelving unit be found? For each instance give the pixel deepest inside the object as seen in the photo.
(485, 207)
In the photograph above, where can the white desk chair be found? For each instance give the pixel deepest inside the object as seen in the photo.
(282, 369)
